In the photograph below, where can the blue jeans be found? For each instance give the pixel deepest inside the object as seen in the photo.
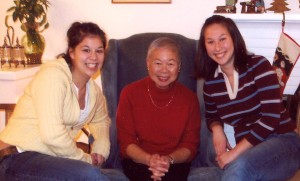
(40, 167)
(277, 158)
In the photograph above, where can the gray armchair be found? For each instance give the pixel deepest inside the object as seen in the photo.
(125, 62)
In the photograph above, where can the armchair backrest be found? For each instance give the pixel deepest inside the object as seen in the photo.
(125, 62)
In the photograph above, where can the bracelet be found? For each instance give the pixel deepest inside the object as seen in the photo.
(171, 159)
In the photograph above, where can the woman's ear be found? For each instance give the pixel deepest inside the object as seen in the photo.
(71, 53)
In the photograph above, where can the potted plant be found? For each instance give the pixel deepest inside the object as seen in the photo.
(33, 18)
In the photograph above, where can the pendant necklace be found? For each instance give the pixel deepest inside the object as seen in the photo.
(157, 106)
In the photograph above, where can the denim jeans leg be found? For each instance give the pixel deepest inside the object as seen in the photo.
(115, 174)
(40, 167)
(277, 158)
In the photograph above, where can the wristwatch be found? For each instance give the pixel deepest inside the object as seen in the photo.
(171, 160)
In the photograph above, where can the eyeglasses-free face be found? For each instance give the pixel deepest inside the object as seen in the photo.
(163, 66)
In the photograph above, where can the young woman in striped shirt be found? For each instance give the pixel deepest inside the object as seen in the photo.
(241, 91)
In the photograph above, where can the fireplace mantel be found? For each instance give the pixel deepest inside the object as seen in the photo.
(264, 18)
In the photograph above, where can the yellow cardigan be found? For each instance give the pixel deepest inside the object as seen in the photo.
(46, 117)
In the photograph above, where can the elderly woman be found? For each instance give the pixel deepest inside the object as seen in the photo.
(158, 119)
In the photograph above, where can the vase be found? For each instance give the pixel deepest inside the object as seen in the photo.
(34, 46)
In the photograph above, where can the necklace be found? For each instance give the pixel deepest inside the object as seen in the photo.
(157, 106)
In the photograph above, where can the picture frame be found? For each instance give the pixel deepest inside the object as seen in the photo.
(141, 1)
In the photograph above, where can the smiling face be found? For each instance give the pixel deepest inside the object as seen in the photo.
(87, 57)
(163, 66)
(219, 45)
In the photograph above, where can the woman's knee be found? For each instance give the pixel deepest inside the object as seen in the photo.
(90, 172)
(239, 168)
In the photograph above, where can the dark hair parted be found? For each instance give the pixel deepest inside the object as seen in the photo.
(204, 65)
(77, 32)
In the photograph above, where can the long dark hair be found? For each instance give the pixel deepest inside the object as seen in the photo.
(204, 65)
(76, 33)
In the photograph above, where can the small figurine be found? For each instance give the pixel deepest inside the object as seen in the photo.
(253, 6)
(231, 2)
(228, 8)
(260, 5)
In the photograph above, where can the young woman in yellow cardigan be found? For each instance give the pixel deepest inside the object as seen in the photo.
(39, 141)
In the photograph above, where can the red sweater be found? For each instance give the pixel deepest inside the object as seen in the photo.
(157, 130)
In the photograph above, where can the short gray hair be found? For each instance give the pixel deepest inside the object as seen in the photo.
(164, 42)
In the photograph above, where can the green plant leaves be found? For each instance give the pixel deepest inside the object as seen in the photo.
(32, 12)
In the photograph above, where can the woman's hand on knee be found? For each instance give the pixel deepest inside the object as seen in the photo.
(97, 159)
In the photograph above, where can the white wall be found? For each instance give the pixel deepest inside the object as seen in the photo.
(118, 20)
(121, 20)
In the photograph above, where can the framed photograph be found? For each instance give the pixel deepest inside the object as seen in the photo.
(141, 1)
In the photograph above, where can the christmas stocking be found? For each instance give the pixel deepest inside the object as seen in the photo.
(286, 56)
